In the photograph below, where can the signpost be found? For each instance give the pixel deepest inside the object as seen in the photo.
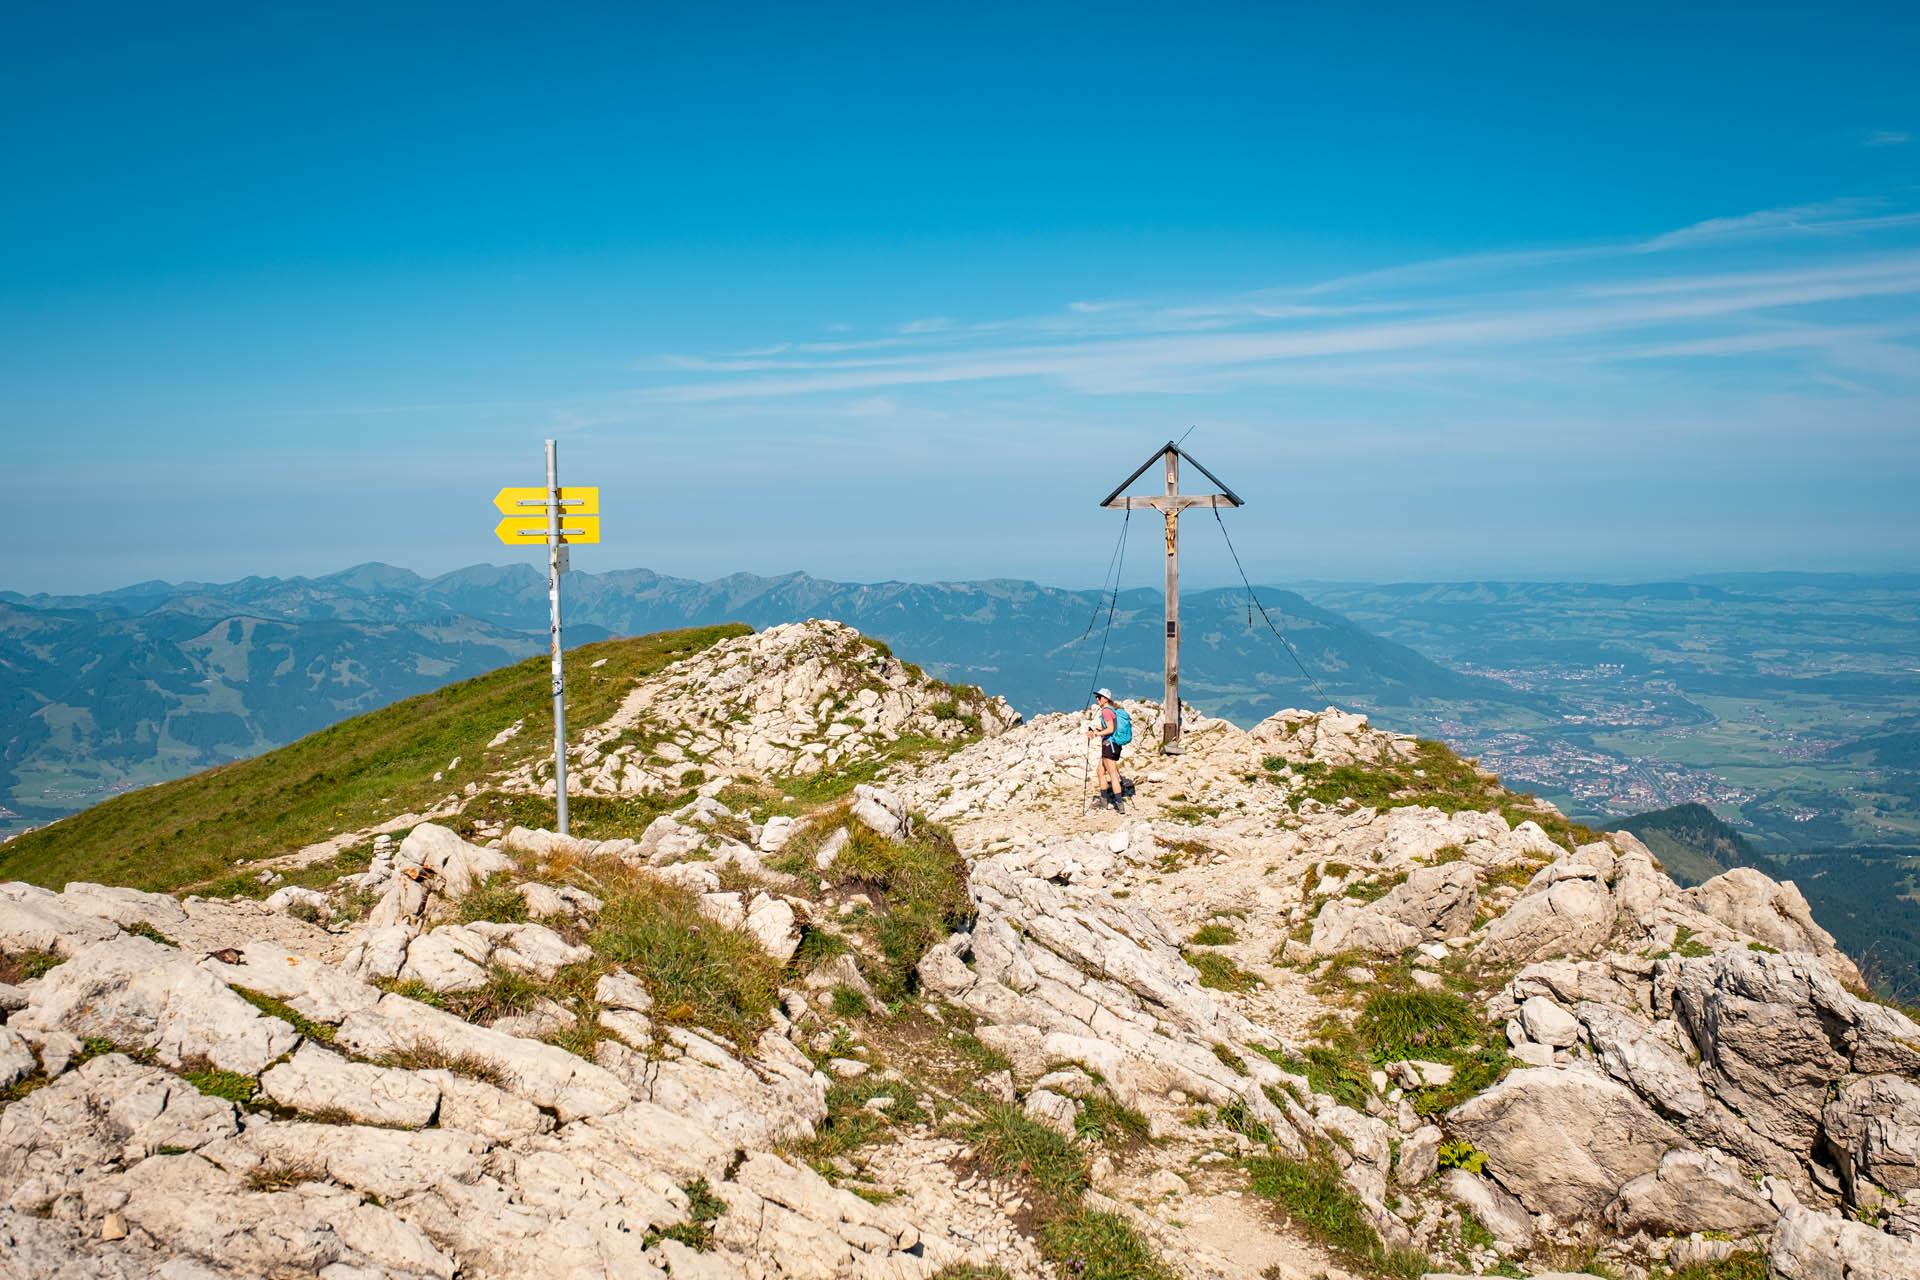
(560, 518)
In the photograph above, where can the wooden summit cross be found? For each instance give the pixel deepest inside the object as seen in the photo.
(1170, 505)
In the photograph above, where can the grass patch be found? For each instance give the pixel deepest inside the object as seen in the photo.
(141, 929)
(20, 966)
(1220, 972)
(1434, 777)
(1315, 1199)
(1103, 1119)
(231, 1085)
(284, 1177)
(848, 1002)
(1092, 1245)
(919, 891)
(1011, 1143)
(286, 1013)
(353, 775)
(1743, 1264)
(436, 1058)
(494, 900)
(697, 971)
(832, 784)
(1434, 1026)
(703, 1210)
(1396, 1025)
(1330, 1069)
(1213, 935)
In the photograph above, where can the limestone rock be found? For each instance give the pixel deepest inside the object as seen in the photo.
(1419, 1156)
(309, 987)
(1547, 1023)
(1691, 1191)
(1053, 1110)
(1775, 1031)
(457, 866)
(880, 811)
(141, 995)
(543, 1074)
(1564, 1141)
(1569, 916)
(316, 1081)
(16, 1058)
(32, 919)
(1808, 1245)
(1633, 1056)
(1773, 912)
(772, 924)
(1872, 1127)
(474, 1106)
(1497, 1211)
(121, 905)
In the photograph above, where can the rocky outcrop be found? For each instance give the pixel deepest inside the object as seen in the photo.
(1565, 1141)
(140, 994)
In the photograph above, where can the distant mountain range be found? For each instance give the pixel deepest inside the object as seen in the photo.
(156, 680)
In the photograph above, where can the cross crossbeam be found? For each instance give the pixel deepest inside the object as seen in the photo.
(1170, 504)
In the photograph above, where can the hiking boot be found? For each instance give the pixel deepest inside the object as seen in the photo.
(1114, 800)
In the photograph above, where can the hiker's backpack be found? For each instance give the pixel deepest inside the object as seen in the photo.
(1122, 727)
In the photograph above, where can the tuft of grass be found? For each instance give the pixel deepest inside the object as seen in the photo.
(286, 1013)
(1237, 1117)
(969, 1271)
(1396, 1025)
(1103, 1119)
(1316, 1199)
(493, 900)
(1462, 1154)
(353, 775)
(142, 929)
(848, 1001)
(1220, 972)
(20, 966)
(231, 1085)
(1742, 1264)
(1335, 1070)
(698, 972)
(919, 891)
(833, 784)
(283, 1177)
(818, 944)
(436, 1058)
(1011, 1143)
(1213, 935)
(1231, 1060)
(1093, 1245)
(703, 1210)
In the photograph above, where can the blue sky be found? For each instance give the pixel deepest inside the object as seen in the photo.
(902, 292)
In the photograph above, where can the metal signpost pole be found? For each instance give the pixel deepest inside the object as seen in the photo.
(554, 552)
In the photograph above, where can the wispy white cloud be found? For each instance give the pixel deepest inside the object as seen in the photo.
(1764, 222)
(1887, 138)
(1427, 325)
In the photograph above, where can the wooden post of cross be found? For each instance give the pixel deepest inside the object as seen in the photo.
(1170, 504)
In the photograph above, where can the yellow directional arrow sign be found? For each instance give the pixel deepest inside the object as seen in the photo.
(520, 500)
(520, 531)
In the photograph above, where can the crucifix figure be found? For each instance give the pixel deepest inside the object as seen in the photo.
(1170, 505)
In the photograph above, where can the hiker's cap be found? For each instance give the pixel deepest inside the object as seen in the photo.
(1103, 693)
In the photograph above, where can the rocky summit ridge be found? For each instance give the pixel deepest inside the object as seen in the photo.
(852, 980)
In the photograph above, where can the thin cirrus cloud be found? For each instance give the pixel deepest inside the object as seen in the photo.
(1718, 288)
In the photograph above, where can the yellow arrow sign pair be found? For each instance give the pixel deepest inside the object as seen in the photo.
(526, 511)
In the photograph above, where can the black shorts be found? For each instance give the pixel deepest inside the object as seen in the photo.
(1109, 749)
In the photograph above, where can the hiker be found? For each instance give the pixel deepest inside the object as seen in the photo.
(1114, 728)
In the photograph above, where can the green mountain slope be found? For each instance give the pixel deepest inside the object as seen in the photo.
(352, 775)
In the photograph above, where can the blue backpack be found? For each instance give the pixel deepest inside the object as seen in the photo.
(1122, 727)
